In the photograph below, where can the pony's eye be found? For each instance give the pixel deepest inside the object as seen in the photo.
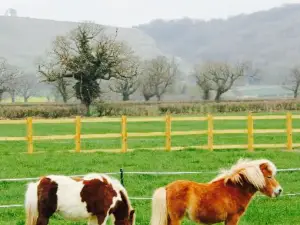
(269, 177)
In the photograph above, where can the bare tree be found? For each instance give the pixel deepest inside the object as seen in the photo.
(128, 85)
(8, 75)
(219, 77)
(202, 81)
(292, 82)
(27, 86)
(12, 88)
(159, 74)
(54, 73)
(128, 80)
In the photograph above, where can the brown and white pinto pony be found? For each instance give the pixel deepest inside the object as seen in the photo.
(224, 199)
(94, 197)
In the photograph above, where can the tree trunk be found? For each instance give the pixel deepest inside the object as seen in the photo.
(125, 97)
(65, 98)
(206, 94)
(158, 97)
(218, 96)
(147, 98)
(1, 95)
(87, 109)
(26, 98)
(13, 97)
(296, 93)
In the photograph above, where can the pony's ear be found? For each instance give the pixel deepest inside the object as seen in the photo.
(265, 169)
(264, 166)
(131, 215)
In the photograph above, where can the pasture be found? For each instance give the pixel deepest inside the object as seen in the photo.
(15, 164)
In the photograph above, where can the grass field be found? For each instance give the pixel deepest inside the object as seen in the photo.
(281, 211)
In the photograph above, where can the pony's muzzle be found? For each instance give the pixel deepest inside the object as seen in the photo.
(277, 191)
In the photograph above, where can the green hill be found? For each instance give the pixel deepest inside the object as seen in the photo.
(22, 40)
(271, 39)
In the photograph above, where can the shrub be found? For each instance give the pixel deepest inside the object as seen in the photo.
(11, 111)
(18, 111)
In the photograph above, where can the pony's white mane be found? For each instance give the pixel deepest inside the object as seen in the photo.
(250, 169)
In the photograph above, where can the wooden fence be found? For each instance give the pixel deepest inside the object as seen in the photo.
(168, 133)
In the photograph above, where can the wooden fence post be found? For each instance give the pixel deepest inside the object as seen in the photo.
(289, 131)
(210, 134)
(124, 134)
(29, 135)
(168, 132)
(78, 134)
(250, 132)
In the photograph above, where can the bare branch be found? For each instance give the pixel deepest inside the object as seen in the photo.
(219, 76)
(129, 78)
(27, 87)
(159, 75)
(292, 82)
(7, 73)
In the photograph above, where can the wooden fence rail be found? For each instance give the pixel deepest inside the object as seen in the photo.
(168, 133)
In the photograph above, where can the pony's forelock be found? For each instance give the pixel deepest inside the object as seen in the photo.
(249, 169)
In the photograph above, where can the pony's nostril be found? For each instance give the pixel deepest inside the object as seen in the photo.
(280, 190)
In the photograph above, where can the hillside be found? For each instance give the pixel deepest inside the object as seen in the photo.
(271, 39)
(22, 40)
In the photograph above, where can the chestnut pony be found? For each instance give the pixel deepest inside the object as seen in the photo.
(94, 197)
(224, 199)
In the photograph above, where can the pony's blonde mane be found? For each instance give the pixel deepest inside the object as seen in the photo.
(250, 169)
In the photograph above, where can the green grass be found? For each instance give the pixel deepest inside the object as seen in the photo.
(141, 142)
(262, 210)
(283, 210)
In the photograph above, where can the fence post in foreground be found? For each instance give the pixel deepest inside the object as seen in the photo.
(77, 135)
(29, 135)
(289, 131)
(122, 176)
(124, 134)
(250, 132)
(168, 132)
(210, 135)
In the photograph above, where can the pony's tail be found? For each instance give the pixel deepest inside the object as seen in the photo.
(159, 207)
(31, 204)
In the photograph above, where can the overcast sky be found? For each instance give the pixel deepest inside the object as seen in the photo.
(133, 12)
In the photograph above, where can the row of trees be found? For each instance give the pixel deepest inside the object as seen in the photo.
(80, 60)
(219, 77)
(15, 82)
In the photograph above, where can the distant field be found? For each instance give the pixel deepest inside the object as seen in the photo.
(281, 211)
(20, 99)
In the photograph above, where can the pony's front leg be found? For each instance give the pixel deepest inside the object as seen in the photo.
(93, 221)
(42, 220)
(97, 220)
(233, 220)
(174, 221)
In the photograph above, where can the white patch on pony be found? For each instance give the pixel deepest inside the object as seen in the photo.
(69, 203)
(250, 169)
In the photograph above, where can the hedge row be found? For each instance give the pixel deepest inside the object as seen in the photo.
(131, 109)
(44, 111)
(12, 111)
